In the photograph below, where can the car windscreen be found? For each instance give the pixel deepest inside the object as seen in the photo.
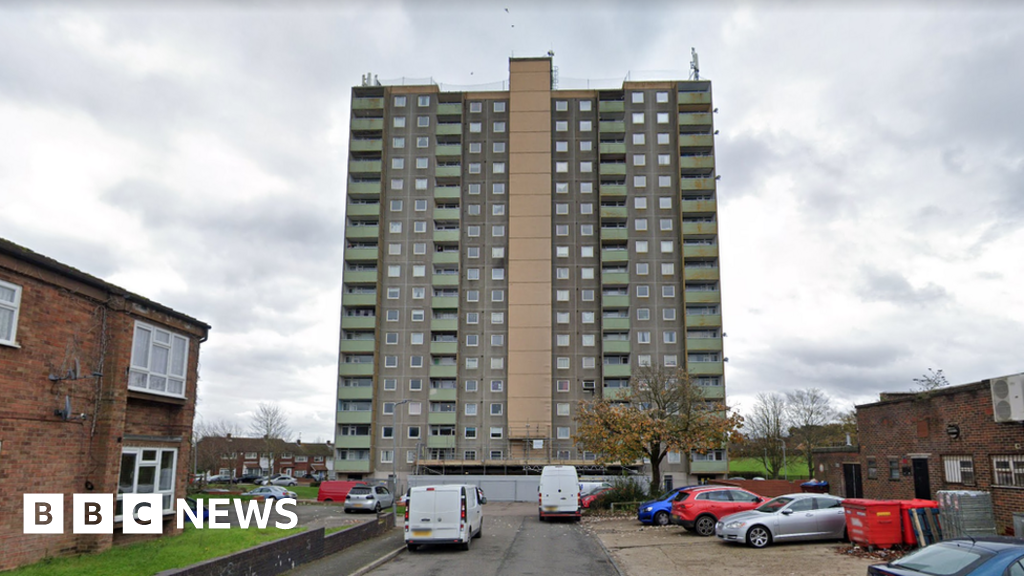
(774, 505)
(683, 495)
(359, 491)
(944, 559)
(666, 495)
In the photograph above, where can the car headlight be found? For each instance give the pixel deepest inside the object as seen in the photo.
(735, 524)
(649, 508)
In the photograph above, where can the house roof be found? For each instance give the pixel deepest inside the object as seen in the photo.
(901, 397)
(228, 444)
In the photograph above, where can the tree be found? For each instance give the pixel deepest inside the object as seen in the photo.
(808, 412)
(932, 380)
(662, 412)
(208, 454)
(765, 432)
(270, 421)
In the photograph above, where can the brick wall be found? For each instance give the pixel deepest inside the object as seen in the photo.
(766, 488)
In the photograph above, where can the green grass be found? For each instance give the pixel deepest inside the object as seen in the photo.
(797, 468)
(305, 492)
(334, 529)
(151, 557)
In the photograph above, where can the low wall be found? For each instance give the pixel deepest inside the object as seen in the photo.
(279, 556)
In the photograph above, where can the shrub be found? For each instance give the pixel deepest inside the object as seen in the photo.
(624, 489)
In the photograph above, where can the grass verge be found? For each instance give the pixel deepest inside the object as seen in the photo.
(797, 467)
(147, 558)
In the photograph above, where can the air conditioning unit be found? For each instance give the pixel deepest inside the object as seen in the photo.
(588, 384)
(1008, 398)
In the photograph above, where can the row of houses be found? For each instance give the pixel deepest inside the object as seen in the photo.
(237, 456)
(912, 445)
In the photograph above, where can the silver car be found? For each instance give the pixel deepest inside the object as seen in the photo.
(786, 518)
(371, 498)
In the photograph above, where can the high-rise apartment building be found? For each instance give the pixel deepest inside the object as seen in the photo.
(510, 254)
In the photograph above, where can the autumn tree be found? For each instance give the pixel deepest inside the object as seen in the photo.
(809, 412)
(663, 411)
(765, 432)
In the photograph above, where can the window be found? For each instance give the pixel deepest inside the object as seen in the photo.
(562, 340)
(391, 338)
(498, 147)
(586, 125)
(422, 141)
(472, 295)
(423, 121)
(390, 384)
(10, 303)
(419, 248)
(638, 117)
(423, 101)
(387, 456)
(474, 167)
(586, 251)
(562, 230)
(419, 270)
(421, 184)
(416, 361)
(562, 362)
(664, 160)
(496, 409)
(472, 339)
(587, 295)
(497, 317)
(640, 224)
(1008, 470)
(497, 295)
(499, 106)
(663, 138)
(472, 318)
(562, 432)
(562, 251)
(562, 385)
(147, 470)
(586, 229)
(642, 268)
(562, 295)
(561, 126)
(418, 293)
(586, 146)
(643, 337)
(474, 189)
(497, 273)
(586, 166)
(159, 358)
(643, 313)
(470, 410)
(414, 431)
(668, 290)
(471, 385)
(417, 315)
(588, 340)
(586, 187)
(391, 361)
(561, 187)
(664, 181)
(497, 363)
(640, 181)
(561, 273)
(669, 336)
(470, 431)
(894, 468)
(661, 97)
(662, 117)
(586, 208)
(475, 127)
(499, 167)
(585, 105)
(561, 167)
(385, 432)
(497, 209)
(398, 163)
(561, 317)
(671, 361)
(399, 101)
(872, 469)
(666, 247)
(639, 160)
(589, 362)
(399, 122)
(498, 188)
(561, 146)
(496, 433)
(643, 291)
(639, 139)
(643, 360)
(476, 107)
(499, 126)
(561, 105)
(394, 271)
(475, 147)
(422, 163)
(637, 97)
(640, 203)
(497, 231)
(391, 315)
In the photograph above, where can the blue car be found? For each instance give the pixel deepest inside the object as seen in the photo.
(981, 556)
(658, 511)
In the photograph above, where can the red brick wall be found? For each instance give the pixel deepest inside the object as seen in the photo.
(62, 319)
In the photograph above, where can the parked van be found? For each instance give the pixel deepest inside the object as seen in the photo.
(559, 495)
(448, 514)
(335, 490)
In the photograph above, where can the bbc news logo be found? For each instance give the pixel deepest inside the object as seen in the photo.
(143, 513)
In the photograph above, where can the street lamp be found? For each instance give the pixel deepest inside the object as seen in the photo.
(394, 460)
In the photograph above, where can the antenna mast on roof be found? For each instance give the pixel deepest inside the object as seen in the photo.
(694, 65)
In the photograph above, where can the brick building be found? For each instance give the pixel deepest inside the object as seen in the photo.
(915, 444)
(99, 388)
(234, 456)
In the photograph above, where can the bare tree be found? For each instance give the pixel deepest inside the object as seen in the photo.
(809, 412)
(932, 380)
(765, 431)
(208, 453)
(270, 421)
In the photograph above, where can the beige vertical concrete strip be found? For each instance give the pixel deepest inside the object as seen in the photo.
(529, 231)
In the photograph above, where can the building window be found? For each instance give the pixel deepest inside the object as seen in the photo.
(414, 432)
(387, 456)
(894, 468)
(159, 361)
(499, 106)
(470, 431)
(637, 97)
(496, 409)
(10, 303)
(563, 432)
(476, 107)
(497, 363)
(470, 410)
(471, 385)
(1008, 470)
(499, 127)
(147, 470)
(562, 386)
(496, 433)
(399, 122)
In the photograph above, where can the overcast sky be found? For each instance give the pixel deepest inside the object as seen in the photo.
(872, 163)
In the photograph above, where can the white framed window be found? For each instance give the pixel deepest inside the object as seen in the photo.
(496, 433)
(637, 97)
(472, 339)
(423, 121)
(562, 340)
(416, 384)
(640, 224)
(640, 203)
(399, 122)
(395, 249)
(159, 361)
(397, 183)
(499, 127)
(561, 126)
(475, 147)
(588, 340)
(561, 251)
(470, 431)
(147, 470)
(640, 181)
(665, 202)
(416, 361)
(394, 271)
(587, 295)
(668, 314)
(639, 159)
(419, 270)
(561, 105)
(671, 361)
(561, 208)
(561, 146)
(661, 97)
(586, 146)
(398, 163)
(497, 252)
(497, 409)
(422, 163)
(665, 224)
(561, 273)
(497, 209)
(474, 167)
(391, 315)
(643, 313)
(10, 305)
(391, 338)
(391, 361)
(419, 248)
(586, 251)
(562, 363)
(586, 167)
(387, 456)
(497, 295)
(561, 386)
(587, 273)
(398, 142)
(498, 188)
(472, 385)
(499, 106)
(586, 208)
(498, 231)
(587, 317)
(643, 291)
(664, 160)
(662, 117)
(497, 317)
(639, 138)
(959, 469)
(561, 317)
(498, 147)
(473, 189)
(497, 363)
(668, 291)
(586, 229)
(589, 362)
(475, 127)
(498, 167)
(640, 246)
(562, 432)
(643, 360)
(586, 105)
(472, 274)
(423, 101)
(470, 410)
(664, 181)
(497, 385)
(562, 295)
(421, 183)
(668, 268)
(667, 247)
(390, 384)
(562, 408)
(476, 107)
(417, 315)
(422, 141)
(472, 295)
(642, 268)
(586, 125)
(561, 167)
(638, 117)
(669, 336)
(415, 408)
(643, 337)
(472, 317)
(561, 187)
(399, 101)
(663, 138)
(497, 273)
(561, 230)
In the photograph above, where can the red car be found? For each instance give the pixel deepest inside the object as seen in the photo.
(698, 509)
(587, 500)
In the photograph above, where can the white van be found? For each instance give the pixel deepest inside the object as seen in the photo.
(447, 514)
(559, 495)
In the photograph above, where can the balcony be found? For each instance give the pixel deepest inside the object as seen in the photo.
(360, 277)
(696, 184)
(704, 344)
(352, 465)
(613, 190)
(374, 145)
(353, 442)
(364, 167)
(449, 325)
(613, 168)
(615, 346)
(615, 301)
(612, 148)
(353, 417)
(700, 251)
(692, 162)
(355, 369)
(702, 228)
(362, 210)
(443, 394)
(359, 300)
(447, 192)
(444, 347)
(449, 129)
(620, 212)
(714, 392)
(358, 346)
(614, 233)
(362, 232)
(696, 206)
(702, 296)
(446, 214)
(445, 302)
(445, 258)
(696, 140)
(446, 235)
(615, 393)
(367, 103)
(611, 106)
(367, 124)
(704, 321)
(361, 254)
(441, 418)
(448, 150)
(615, 323)
(695, 119)
(707, 467)
(441, 441)
(448, 171)
(448, 371)
(612, 126)
(355, 392)
(706, 368)
(617, 370)
(614, 255)
(701, 97)
(445, 280)
(700, 273)
(449, 109)
(364, 187)
(614, 277)
(359, 322)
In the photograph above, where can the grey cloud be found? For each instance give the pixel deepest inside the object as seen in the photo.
(885, 286)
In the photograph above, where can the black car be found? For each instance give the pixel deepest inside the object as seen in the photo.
(247, 479)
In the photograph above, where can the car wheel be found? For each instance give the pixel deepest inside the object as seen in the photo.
(376, 508)
(759, 537)
(705, 526)
(411, 547)
(480, 532)
(540, 516)
(469, 539)
(661, 518)
(328, 500)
